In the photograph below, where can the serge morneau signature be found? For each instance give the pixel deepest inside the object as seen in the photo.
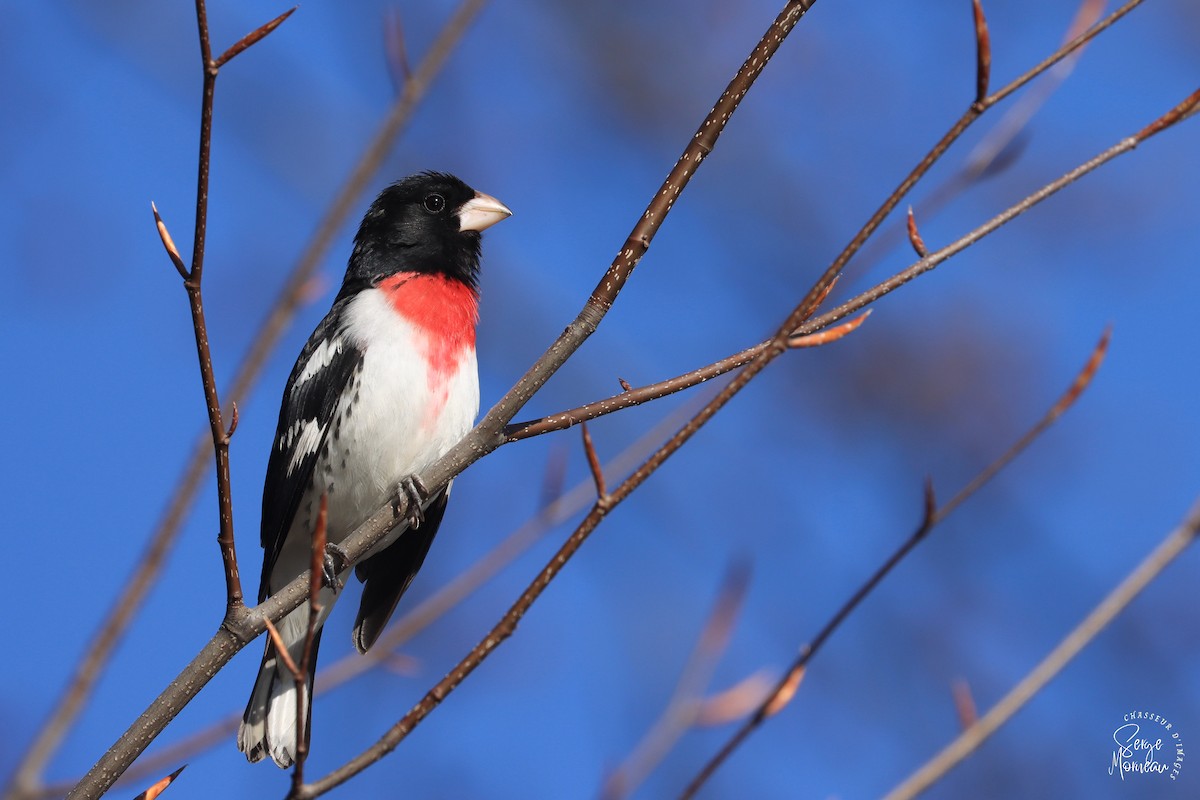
(1146, 753)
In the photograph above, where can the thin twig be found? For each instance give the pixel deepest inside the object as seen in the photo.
(932, 516)
(252, 38)
(193, 285)
(999, 148)
(1175, 543)
(1175, 115)
(633, 396)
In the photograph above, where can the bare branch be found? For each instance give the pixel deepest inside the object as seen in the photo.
(991, 226)
(932, 515)
(555, 511)
(1082, 380)
(1097, 620)
(629, 397)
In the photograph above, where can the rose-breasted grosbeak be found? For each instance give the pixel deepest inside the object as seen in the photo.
(385, 385)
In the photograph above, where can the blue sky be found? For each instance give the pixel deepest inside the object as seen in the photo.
(572, 114)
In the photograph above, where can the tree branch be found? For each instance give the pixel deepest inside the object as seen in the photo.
(1180, 112)
(786, 687)
(1097, 620)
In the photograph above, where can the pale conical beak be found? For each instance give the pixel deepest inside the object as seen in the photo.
(481, 212)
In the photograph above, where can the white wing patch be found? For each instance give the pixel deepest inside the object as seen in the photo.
(308, 437)
(320, 358)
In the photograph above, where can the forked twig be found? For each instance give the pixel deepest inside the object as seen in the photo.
(933, 515)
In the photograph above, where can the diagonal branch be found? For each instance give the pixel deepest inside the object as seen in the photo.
(1180, 112)
(933, 515)
(1170, 548)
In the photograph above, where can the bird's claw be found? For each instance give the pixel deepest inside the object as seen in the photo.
(333, 564)
(415, 492)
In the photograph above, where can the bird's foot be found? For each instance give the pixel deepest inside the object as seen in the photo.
(333, 564)
(417, 495)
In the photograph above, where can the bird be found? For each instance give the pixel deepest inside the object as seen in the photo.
(386, 384)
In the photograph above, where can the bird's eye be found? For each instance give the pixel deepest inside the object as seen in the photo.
(434, 203)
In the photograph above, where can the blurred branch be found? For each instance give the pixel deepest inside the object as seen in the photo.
(785, 689)
(687, 702)
(1167, 551)
(295, 288)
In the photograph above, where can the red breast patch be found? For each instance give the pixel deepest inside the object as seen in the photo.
(445, 310)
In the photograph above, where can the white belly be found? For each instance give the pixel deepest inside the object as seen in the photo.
(395, 420)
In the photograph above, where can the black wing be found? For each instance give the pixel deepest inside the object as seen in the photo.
(325, 366)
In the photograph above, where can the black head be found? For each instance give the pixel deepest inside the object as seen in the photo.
(429, 222)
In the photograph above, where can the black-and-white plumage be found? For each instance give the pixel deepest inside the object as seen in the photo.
(385, 385)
